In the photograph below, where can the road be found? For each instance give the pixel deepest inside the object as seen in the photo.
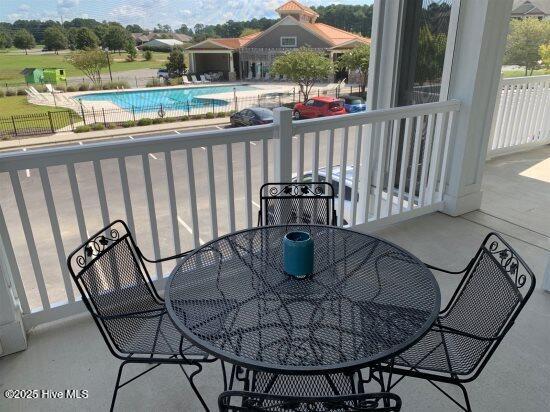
(42, 232)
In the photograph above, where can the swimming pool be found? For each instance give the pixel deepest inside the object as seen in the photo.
(146, 100)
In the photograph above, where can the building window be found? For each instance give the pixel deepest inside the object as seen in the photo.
(289, 41)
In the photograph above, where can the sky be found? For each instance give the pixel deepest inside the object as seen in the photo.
(148, 13)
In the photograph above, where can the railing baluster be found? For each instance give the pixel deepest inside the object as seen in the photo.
(172, 201)
(513, 117)
(56, 233)
(367, 172)
(330, 154)
(29, 238)
(414, 160)
(230, 191)
(126, 194)
(425, 166)
(101, 192)
(315, 157)
(380, 169)
(212, 191)
(192, 197)
(404, 162)
(497, 134)
(300, 159)
(445, 162)
(527, 111)
(12, 263)
(434, 166)
(81, 222)
(152, 212)
(393, 164)
(356, 172)
(342, 183)
(247, 183)
(265, 161)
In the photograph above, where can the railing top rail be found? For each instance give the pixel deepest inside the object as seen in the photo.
(524, 80)
(53, 156)
(374, 116)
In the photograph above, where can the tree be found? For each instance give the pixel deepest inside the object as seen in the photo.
(176, 64)
(5, 40)
(131, 49)
(430, 55)
(89, 62)
(55, 39)
(524, 40)
(357, 59)
(116, 38)
(148, 55)
(304, 67)
(86, 39)
(71, 37)
(134, 28)
(185, 30)
(23, 40)
(544, 51)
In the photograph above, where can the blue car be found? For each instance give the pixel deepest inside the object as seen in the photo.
(354, 104)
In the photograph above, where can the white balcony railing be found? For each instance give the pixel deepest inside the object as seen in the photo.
(522, 115)
(177, 192)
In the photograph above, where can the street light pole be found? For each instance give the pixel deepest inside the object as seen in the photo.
(109, 63)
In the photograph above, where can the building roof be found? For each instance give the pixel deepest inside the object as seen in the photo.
(167, 42)
(334, 35)
(181, 37)
(228, 43)
(293, 5)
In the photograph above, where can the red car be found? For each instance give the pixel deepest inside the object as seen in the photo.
(319, 107)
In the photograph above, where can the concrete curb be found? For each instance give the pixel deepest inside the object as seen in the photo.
(68, 137)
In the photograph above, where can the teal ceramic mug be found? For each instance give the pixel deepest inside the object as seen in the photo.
(298, 254)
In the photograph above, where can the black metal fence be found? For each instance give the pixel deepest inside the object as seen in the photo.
(80, 117)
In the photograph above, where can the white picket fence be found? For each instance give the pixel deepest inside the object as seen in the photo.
(178, 191)
(522, 115)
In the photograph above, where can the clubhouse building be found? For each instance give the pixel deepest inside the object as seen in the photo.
(250, 57)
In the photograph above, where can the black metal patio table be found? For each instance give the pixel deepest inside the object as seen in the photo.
(366, 301)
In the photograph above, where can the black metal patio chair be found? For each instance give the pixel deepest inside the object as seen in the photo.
(110, 273)
(234, 401)
(494, 288)
(297, 202)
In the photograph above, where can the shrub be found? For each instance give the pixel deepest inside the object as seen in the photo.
(221, 114)
(184, 118)
(158, 120)
(209, 115)
(144, 122)
(111, 126)
(82, 129)
(129, 123)
(154, 83)
(176, 81)
(21, 92)
(2, 93)
(61, 87)
(98, 126)
(83, 87)
(10, 92)
(148, 55)
(71, 88)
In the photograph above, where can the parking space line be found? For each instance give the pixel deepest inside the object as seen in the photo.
(188, 228)
(175, 131)
(80, 143)
(27, 171)
(203, 148)
(219, 127)
(253, 144)
(153, 156)
(255, 204)
(131, 137)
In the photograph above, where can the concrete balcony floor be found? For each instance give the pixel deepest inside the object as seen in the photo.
(71, 354)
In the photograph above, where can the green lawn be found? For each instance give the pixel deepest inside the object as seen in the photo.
(11, 64)
(521, 73)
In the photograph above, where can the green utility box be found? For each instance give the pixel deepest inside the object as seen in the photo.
(54, 75)
(33, 75)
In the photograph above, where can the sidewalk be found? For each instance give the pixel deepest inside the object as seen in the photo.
(68, 137)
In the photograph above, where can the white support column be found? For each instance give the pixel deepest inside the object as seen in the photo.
(12, 334)
(479, 47)
(191, 62)
(232, 76)
(282, 120)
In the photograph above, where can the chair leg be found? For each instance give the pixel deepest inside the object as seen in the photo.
(466, 397)
(117, 386)
(193, 386)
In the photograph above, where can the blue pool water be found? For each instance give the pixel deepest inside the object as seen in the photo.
(146, 100)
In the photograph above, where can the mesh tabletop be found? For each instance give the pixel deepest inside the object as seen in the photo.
(365, 301)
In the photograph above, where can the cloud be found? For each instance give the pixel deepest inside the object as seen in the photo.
(127, 14)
